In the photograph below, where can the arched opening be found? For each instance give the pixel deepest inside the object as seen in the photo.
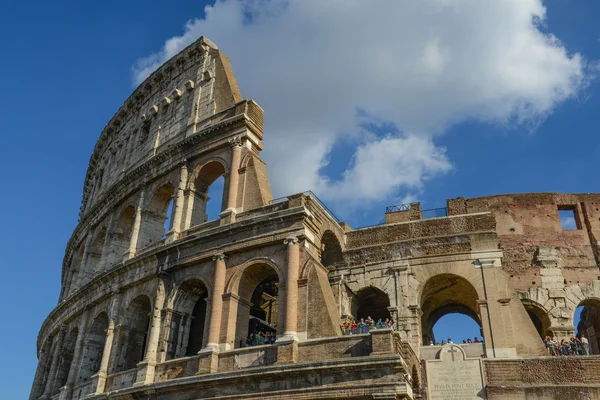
(452, 297)
(157, 216)
(94, 255)
(66, 358)
(208, 184)
(94, 347)
(331, 251)
(188, 320)
(121, 237)
(372, 302)
(587, 323)
(75, 270)
(134, 334)
(258, 317)
(538, 317)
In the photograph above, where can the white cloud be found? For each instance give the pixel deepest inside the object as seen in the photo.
(419, 65)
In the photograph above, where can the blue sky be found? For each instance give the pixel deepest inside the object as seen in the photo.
(68, 65)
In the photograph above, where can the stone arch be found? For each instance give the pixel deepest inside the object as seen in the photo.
(538, 315)
(444, 294)
(133, 333)
(256, 287)
(188, 319)
(331, 249)
(198, 186)
(75, 269)
(233, 283)
(94, 347)
(155, 215)
(94, 253)
(589, 323)
(65, 360)
(372, 302)
(121, 234)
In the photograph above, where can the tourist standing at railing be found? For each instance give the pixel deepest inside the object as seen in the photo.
(587, 350)
(362, 326)
(370, 323)
(354, 327)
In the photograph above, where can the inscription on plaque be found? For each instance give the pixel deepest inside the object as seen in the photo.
(453, 376)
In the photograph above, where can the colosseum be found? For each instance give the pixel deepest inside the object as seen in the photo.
(159, 302)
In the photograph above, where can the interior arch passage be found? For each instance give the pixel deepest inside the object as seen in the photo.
(187, 321)
(331, 250)
(133, 334)
(206, 179)
(258, 308)
(446, 294)
(588, 326)
(372, 302)
(94, 347)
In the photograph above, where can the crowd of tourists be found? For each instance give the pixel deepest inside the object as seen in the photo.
(572, 347)
(350, 326)
(260, 338)
(465, 341)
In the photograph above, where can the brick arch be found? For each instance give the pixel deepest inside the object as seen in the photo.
(170, 296)
(335, 229)
(233, 283)
(195, 173)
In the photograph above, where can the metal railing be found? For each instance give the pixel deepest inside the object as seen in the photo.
(400, 207)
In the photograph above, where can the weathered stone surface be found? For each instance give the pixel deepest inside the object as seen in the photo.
(164, 313)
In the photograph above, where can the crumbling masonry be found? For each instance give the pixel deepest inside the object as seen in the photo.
(151, 313)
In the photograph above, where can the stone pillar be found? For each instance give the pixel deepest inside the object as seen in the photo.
(214, 329)
(291, 302)
(486, 328)
(41, 370)
(135, 231)
(54, 365)
(108, 345)
(179, 206)
(83, 273)
(209, 363)
(234, 179)
(66, 391)
(103, 264)
(147, 367)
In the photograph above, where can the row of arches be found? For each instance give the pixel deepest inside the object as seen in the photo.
(138, 226)
(184, 326)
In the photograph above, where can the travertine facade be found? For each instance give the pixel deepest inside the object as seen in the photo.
(154, 313)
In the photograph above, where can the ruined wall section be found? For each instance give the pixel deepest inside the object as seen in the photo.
(531, 234)
(191, 87)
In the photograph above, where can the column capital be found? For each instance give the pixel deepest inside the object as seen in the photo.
(290, 240)
(219, 256)
(236, 143)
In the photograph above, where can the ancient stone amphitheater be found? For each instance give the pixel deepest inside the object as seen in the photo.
(157, 302)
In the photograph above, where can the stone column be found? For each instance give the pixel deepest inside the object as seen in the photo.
(108, 345)
(102, 265)
(135, 231)
(214, 329)
(83, 273)
(41, 370)
(179, 205)
(291, 302)
(146, 370)
(66, 391)
(54, 365)
(234, 177)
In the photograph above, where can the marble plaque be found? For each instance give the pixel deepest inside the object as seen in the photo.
(453, 376)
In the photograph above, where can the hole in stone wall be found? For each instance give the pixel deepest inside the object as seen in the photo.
(568, 218)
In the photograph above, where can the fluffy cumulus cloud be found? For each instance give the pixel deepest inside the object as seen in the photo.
(336, 72)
